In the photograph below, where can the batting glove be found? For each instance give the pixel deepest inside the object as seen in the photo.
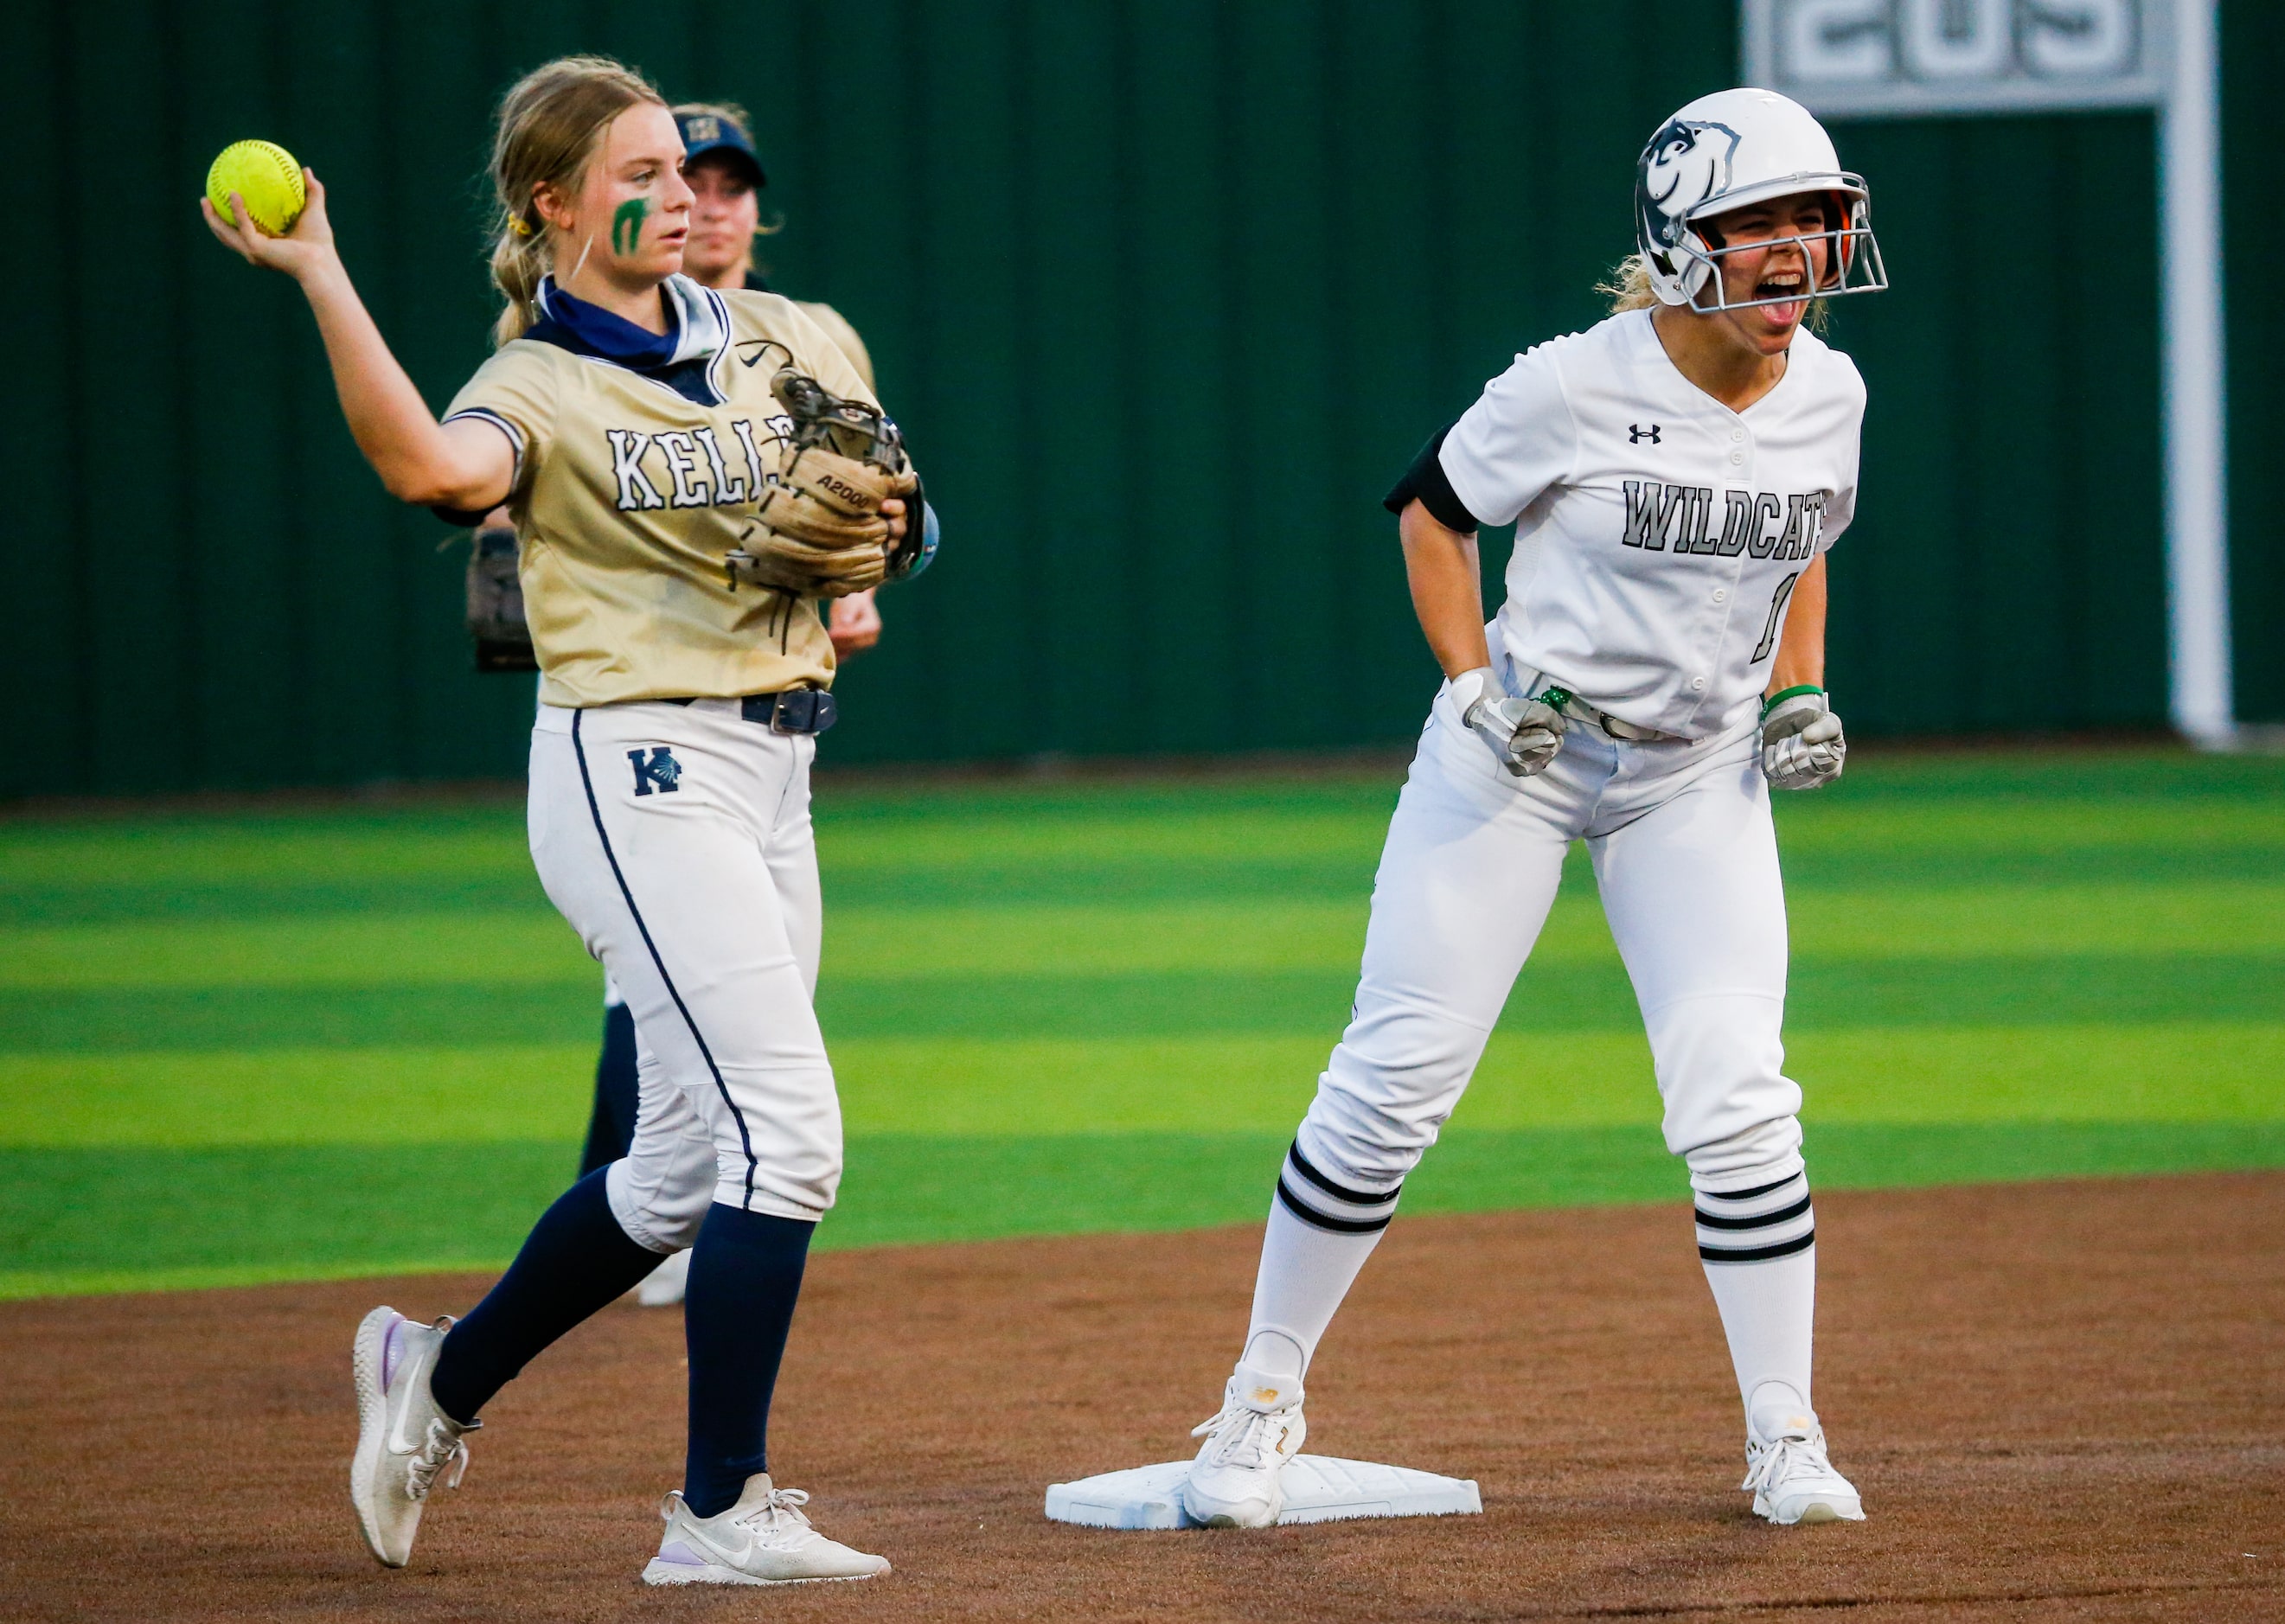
(1801, 746)
(1523, 734)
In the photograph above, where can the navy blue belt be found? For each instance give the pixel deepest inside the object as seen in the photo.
(809, 710)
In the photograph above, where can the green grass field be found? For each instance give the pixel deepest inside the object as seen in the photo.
(304, 1043)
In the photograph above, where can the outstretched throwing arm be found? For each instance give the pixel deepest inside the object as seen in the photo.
(467, 466)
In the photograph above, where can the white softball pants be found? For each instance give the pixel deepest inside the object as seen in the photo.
(1685, 857)
(676, 839)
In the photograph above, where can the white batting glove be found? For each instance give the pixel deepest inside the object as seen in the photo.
(1523, 734)
(1801, 746)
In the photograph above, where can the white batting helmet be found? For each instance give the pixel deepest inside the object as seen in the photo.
(1730, 149)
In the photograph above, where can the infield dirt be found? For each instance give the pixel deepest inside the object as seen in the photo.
(2061, 1401)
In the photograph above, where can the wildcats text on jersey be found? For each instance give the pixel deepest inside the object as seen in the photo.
(1684, 514)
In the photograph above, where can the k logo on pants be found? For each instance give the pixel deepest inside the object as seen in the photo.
(662, 772)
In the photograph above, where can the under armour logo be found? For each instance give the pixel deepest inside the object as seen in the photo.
(662, 773)
(1637, 433)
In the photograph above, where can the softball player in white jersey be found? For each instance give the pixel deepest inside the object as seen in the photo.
(628, 421)
(1676, 473)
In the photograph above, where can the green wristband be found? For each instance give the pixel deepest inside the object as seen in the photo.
(1783, 695)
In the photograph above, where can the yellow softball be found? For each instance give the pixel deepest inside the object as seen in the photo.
(266, 176)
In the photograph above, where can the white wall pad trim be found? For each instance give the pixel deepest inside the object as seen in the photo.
(1319, 1488)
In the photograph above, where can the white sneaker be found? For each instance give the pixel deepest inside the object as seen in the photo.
(403, 1440)
(1234, 1482)
(664, 1286)
(763, 1539)
(1792, 1480)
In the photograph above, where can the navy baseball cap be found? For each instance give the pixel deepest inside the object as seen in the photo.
(709, 132)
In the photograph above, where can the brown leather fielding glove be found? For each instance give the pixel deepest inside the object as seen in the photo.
(821, 532)
(829, 500)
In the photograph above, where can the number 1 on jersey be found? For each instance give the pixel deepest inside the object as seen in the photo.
(1777, 613)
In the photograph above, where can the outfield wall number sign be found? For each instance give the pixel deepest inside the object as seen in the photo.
(1851, 57)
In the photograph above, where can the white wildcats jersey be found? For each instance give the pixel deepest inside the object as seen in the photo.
(1659, 533)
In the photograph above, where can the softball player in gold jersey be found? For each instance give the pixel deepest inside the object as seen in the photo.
(725, 176)
(627, 421)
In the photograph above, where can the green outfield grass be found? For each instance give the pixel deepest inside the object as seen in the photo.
(307, 1043)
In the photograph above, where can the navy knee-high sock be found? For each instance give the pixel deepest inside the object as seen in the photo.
(745, 1274)
(576, 1259)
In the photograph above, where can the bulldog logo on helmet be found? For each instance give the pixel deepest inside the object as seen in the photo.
(1686, 163)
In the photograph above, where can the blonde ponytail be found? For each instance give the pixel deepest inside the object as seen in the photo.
(550, 123)
(516, 271)
(1627, 286)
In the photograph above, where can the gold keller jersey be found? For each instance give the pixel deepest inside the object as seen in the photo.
(626, 498)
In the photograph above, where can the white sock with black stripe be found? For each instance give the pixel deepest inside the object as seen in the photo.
(1758, 1246)
(1320, 1233)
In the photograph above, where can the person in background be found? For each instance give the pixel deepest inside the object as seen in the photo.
(725, 177)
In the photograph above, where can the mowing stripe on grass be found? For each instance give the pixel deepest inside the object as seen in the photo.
(926, 947)
(982, 881)
(2027, 990)
(1039, 1086)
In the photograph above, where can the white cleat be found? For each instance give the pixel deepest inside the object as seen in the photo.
(665, 1286)
(1792, 1480)
(403, 1440)
(1234, 1482)
(763, 1539)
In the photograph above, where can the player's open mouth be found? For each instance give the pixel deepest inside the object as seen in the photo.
(1783, 309)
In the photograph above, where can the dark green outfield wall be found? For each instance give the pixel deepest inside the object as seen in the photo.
(2253, 227)
(1167, 293)
(2008, 568)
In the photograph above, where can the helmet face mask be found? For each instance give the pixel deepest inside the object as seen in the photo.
(1852, 262)
(1729, 151)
